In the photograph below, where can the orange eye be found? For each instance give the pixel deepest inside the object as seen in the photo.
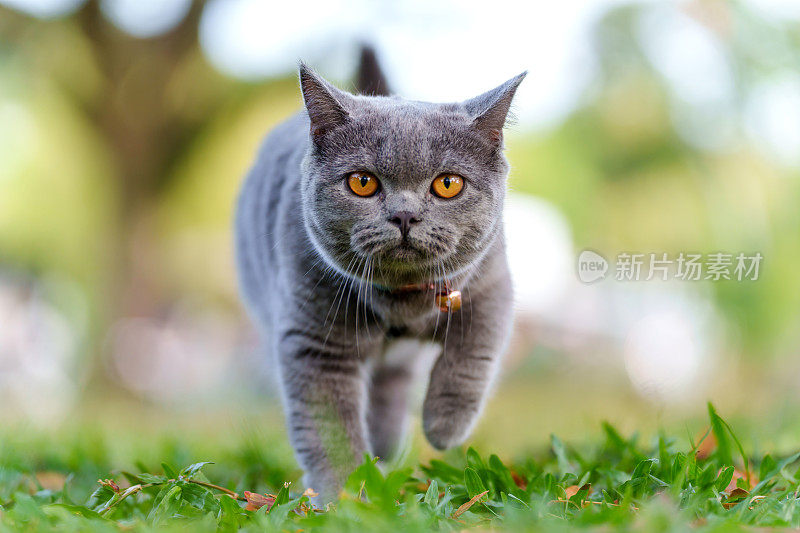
(362, 183)
(447, 185)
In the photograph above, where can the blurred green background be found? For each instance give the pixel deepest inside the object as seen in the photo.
(126, 127)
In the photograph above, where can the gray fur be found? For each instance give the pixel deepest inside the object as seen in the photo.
(319, 267)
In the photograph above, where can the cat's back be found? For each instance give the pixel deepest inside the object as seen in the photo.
(271, 187)
(282, 147)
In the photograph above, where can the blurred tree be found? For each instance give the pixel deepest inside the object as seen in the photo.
(145, 123)
(146, 101)
(141, 106)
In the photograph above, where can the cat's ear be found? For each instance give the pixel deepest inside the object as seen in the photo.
(322, 102)
(490, 109)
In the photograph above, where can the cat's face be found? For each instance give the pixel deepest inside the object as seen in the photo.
(403, 192)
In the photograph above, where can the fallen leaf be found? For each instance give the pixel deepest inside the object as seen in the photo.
(751, 481)
(735, 497)
(461, 510)
(256, 501)
(519, 481)
(572, 490)
(706, 446)
(738, 493)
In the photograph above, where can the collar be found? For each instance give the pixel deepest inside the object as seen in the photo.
(447, 300)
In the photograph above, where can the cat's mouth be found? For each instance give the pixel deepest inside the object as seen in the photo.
(398, 254)
(399, 262)
(405, 251)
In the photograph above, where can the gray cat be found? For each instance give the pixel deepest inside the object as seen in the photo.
(360, 223)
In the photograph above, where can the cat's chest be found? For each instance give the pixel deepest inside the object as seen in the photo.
(406, 314)
(411, 353)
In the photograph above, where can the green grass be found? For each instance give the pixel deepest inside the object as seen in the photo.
(708, 483)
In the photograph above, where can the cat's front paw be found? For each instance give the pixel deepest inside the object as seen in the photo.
(324, 487)
(446, 426)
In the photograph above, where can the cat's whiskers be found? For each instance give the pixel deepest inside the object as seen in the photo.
(372, 283)
(369, 292)
(362, 283)
(476, 273)
(342, 279)
(436, 282)
(360, 300)
(469, 299)
(315, 263)
(353, 279)
(323, 275)
(337, 300)
(446, 282)
(277, 242)
(448, 264)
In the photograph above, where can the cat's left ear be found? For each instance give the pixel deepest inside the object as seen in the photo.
(491, 109)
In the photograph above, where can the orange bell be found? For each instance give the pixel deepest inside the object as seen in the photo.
(449, 301)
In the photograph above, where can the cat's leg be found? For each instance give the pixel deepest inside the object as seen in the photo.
(390, 392)
(388, 407)
(325, 402)
(473, 343)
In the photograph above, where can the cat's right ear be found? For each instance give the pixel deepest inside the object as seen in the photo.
(490, 110)
(324, 110)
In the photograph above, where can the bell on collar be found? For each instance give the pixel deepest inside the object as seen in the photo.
(449, 301)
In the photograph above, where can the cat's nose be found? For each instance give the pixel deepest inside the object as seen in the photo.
(404, 220)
